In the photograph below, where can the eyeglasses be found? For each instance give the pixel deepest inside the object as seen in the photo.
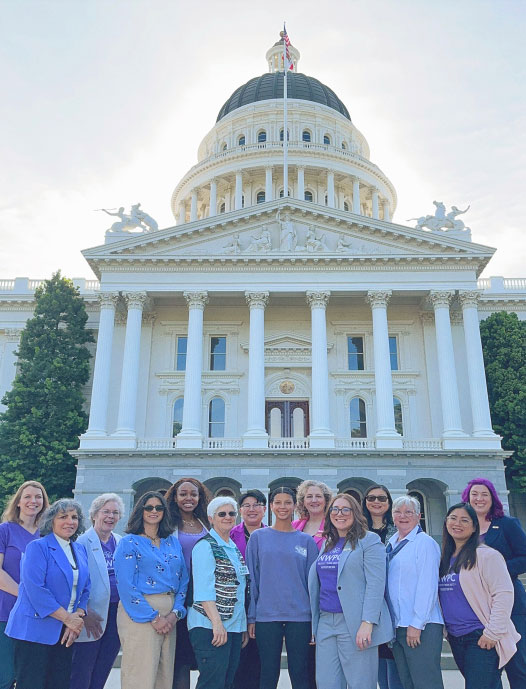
(404, 514)
(153, 508)
(108, 513)
(224, 514)
(249, 505)
(465, 521)
(373, 498)
(346, 511)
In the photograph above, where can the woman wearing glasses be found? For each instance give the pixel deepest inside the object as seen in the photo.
(152, 580)
(350, 617)
(217, 621)
(377, 504)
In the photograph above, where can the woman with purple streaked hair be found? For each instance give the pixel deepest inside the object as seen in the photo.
(506, 535)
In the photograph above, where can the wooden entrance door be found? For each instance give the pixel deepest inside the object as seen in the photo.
(289, 417)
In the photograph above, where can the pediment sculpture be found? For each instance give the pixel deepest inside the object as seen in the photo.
(136, 219)
(440, 220)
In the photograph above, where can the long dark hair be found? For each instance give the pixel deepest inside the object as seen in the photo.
(136, 522)
(388, 516)
(467, 557)
(357, 530)
(199, 512)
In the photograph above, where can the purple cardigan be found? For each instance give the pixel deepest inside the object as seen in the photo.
(237, 534)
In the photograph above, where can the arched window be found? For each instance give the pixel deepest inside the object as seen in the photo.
(281, 193)
(262, 136)
(178, 416)
(281, 135)
(224, 147)
(306, 136)
(399, 423)
(344, 145)
(345, 206)
(423, 516)
(326, 139)
(216, 418)
(309, 196)
(358, 418)
(260, 197)
(241, 140)
(222, 207)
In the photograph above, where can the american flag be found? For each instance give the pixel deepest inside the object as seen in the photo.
(286, 39)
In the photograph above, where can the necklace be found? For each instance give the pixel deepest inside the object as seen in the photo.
(153, 539)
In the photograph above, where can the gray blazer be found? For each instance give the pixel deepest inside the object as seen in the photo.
(99, 598)
(361, 588)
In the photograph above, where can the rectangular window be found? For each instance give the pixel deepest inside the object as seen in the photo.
(218, 353)
(180, 356)
(355, 359)
(393, 352)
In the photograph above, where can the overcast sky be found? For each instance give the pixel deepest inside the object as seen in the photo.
(104, 103)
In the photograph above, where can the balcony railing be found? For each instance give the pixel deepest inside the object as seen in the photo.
(288, 443)
(422, 444)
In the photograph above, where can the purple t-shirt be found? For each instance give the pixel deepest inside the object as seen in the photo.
(327, 568)
(13, 542)
(187, 541)
(108, 550)
(458, 613)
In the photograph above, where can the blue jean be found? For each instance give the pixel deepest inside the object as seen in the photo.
(516, 668)
(388, 677)
(269, 637)
(7, 659)
(479, 667)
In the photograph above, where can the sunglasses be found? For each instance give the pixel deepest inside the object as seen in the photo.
(380, 498)
(224, 514)
(153, 508)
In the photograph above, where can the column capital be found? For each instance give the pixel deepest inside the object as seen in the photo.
(257, 300)
(440, 298)
(13, 334)
(300, 167)
(108, 300)
(427, 317)
(318, 299)
(469, 298)
(196, 300)
(135, 300)
(378, 298)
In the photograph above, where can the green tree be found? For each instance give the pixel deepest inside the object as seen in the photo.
(504, 344)
(44, 415)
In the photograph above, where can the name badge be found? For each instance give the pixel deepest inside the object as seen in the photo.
(244, 570)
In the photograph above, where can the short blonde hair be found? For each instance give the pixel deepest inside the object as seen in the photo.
(302, 492)
(12, 510)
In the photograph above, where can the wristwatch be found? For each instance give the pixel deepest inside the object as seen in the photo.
(178, 614)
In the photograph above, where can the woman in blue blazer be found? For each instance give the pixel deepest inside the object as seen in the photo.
(350, 617)
(52, 600)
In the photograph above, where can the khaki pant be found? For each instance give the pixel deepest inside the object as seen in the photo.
(147, 657)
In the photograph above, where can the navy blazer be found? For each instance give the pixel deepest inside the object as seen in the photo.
(46, 582)
(506, 535)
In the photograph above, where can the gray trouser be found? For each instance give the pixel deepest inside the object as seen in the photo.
(339, 662)
(419, 668)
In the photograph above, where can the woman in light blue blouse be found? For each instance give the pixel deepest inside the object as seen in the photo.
(152, 580)
(217, 621)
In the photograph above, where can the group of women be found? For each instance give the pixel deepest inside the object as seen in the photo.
(359, 593)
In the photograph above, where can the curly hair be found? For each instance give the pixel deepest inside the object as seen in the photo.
(136, 520)
(302, 492)
(356, 531)
(12, 510)
(60, 507)
(200, 511)
(99, 502)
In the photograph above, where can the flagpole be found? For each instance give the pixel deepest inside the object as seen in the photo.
(285, 124)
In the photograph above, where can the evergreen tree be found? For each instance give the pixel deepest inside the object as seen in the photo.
(504, 344)
(45, 415)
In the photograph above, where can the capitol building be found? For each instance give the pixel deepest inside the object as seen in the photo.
(273, 335)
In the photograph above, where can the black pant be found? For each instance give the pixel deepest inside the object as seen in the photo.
(269, 637)
(479, 667)
(39, 666)
(217, 665)
(249, 669)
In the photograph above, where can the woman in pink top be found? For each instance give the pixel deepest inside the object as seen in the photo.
(313, 499)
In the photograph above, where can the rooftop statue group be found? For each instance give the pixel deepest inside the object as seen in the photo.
(136, 219)
(440, 220)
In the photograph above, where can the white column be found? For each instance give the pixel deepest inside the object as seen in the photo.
(451, 420)
(213, 198)
(330, 189)
(256, 436)
(238, 199)
(301, 182)
(101, 375)
(376, 214)
(130, 365)
(8, 361)
(387, 213)
(182, 213)
(475, 361)
(321, 435)
(191, 434)
(356, 196)
(268, 184)
(386, 435)
(193, 206)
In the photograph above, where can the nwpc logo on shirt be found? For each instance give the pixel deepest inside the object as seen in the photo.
(301, 550)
